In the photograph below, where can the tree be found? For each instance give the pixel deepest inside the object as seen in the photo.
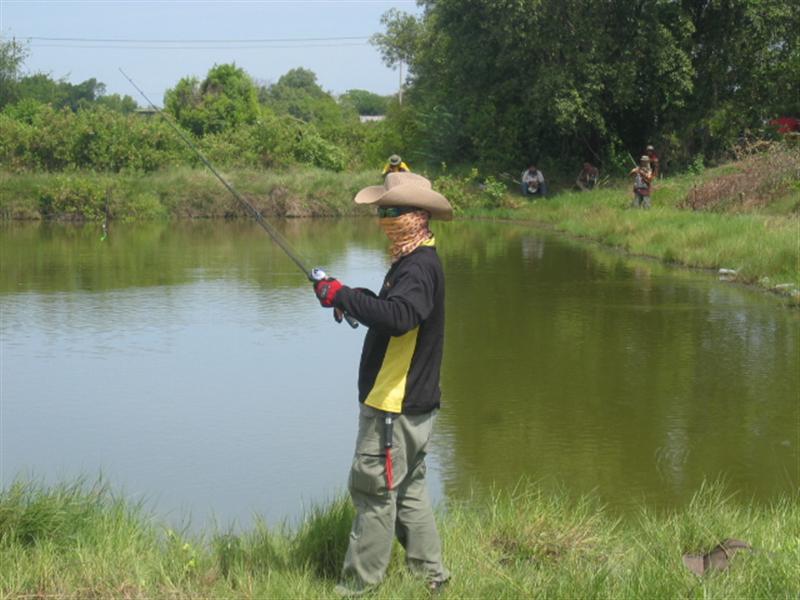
(509, 80)
(402, 38)
(12, 56)
(225, 99)
(298, 79)
(42, 88)
(123, 104)
(298, 94)
(746, 55)
(364, 102)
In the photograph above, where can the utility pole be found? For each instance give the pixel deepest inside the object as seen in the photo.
(400, 88)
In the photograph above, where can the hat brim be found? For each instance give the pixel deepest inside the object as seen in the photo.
(409, 194)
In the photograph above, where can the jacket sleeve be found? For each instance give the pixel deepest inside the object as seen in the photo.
(407, 304)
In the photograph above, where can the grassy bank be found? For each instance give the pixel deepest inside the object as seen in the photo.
(697, 220)
(82, 541)
(763, 249)
(743, 216)
(178, 193)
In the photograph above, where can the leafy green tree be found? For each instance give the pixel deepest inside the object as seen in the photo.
(505, 81)
(364, 102)
(502, 79)
(747, 61)
(42, 88)
(123, 104)
(298, 94)
(402, 39)
(12, 56)
(298, 79)
(226, 98)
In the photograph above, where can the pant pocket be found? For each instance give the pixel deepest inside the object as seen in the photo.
(368, 474)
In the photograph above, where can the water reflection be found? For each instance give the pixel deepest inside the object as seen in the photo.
(191, 363)
(616, 376)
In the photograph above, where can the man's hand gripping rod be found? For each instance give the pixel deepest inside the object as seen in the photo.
(318, 274)
(313, 275)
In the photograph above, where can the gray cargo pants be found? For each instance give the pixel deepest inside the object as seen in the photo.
(406, 511)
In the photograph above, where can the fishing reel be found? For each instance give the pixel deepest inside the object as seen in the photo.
(318, 274)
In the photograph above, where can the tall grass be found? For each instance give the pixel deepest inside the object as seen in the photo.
(78, 541)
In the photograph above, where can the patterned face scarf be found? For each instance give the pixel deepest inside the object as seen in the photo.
(406, 232)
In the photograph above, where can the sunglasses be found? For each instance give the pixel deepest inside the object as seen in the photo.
(390, 212)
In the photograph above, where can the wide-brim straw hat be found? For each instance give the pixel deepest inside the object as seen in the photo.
(407, 189)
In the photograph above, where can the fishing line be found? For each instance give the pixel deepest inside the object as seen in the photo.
(312, 275)
(273, 233)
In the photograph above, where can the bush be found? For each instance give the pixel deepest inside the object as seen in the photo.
(145, 206)
(73, 197)
(495, 191)
(312, 149)
(37, 137)
(98, 138)
(467, 192)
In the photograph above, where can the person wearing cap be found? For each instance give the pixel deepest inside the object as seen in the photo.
(642, 178)
(395, 165)
(398, 387)
(651, 153)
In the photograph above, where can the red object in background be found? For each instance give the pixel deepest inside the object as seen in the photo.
(786, 124)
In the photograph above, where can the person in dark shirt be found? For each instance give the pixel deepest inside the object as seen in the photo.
(398, 387)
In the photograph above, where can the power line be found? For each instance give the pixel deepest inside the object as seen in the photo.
(100, 47)
(206, 41)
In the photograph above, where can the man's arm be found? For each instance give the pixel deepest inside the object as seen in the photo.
(409, 302)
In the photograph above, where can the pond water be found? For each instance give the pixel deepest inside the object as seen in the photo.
(191, 366)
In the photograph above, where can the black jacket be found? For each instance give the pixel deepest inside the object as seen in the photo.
(402, 352)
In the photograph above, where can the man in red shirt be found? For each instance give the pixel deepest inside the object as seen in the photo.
(653, 156)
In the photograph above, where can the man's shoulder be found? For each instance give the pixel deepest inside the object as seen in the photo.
(423, 259)
(422, 255)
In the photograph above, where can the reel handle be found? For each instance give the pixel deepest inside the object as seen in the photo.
(318, 274)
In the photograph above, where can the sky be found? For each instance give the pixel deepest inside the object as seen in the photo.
(178, 38)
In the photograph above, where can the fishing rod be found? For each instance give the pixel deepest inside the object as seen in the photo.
(312, 275)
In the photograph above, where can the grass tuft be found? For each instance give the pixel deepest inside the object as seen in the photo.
(321, 541)
(78, 541)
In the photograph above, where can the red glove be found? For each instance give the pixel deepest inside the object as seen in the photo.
(326, 290)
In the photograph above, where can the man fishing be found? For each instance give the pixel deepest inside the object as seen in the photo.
(398, 387)
(642, 180)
